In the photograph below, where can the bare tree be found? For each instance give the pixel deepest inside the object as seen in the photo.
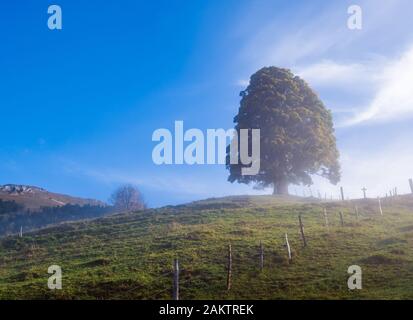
(127, 198)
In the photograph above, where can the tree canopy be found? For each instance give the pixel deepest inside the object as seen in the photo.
(127, 198)
(296, 132)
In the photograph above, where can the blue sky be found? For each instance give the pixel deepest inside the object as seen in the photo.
(79, 105)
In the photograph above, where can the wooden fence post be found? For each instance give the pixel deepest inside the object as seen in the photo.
(261, 256)
(357, 212)
(229, 276)
(341, 218)
(326, 219)
(364, 192)
(342, 193)
(288, 248)
(302, 231)
(380, 208)
(175, 295)
(411, 184)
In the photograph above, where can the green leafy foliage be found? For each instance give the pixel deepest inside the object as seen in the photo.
(297, 134)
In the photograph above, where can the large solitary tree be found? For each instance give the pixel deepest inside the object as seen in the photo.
(296, 132)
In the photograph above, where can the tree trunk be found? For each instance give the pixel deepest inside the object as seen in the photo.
(280, 188)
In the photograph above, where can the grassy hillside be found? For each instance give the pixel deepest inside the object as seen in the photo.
(130, 256)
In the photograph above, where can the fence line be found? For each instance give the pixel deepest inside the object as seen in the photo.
(261, 249)
(229, 275)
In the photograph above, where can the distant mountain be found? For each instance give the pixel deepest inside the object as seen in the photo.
(34, 198)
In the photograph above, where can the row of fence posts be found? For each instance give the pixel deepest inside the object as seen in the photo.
(175, 294)
(391, 193)
(287, 245)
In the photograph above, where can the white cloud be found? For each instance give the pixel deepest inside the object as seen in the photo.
(311, 32)
(389, 82)
(328, 55)
(330, 73)
(270, 45)
(394, 97)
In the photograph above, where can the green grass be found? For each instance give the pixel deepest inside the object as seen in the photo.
(130, 256)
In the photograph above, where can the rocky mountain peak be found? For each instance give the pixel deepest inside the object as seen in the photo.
(19, 189)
